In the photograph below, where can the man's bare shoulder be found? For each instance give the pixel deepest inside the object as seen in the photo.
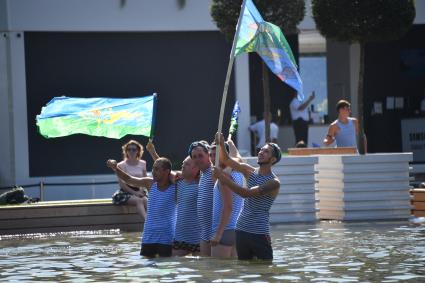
(334, 124)
(245, 169)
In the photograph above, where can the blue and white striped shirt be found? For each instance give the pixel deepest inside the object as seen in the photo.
(187, 224)
(237, 203)
(161, 216)
(255, 214)
(205, 203)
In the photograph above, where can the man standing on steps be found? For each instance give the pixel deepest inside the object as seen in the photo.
(345, 129)
(253, 228)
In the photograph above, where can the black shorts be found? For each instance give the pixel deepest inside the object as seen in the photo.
(181, 245)
(152, 250)
(250, 246)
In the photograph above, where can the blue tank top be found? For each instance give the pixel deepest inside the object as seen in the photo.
(187, 224)
(205, 203)
(161, 216)
(255, 214)
(347, 134)
(237, 203)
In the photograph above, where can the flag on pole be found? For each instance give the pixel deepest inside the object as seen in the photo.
(257, 35)
(234, 120)
(103, 117)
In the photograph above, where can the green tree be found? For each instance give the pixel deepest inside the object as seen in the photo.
(286, 14)
(362, 21)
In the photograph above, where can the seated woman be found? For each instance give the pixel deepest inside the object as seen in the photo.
(133, 165)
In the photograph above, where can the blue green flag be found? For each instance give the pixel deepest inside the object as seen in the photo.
(234, 119)
(103, 117)
(257, 35)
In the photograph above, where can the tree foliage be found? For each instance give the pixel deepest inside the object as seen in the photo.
(363, 20)
(284, 13)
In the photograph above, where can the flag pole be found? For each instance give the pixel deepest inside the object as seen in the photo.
(226, 83)
(155, 103)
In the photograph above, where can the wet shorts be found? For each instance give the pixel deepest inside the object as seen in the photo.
(180, 245)
(250, 246)
(151, 250)
(228, 238)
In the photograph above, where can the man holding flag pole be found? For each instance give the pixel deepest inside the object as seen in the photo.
(253, 34)
(252, 231)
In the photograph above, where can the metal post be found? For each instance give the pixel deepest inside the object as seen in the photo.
(41, 191)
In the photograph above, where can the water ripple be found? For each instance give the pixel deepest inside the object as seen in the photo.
(323, 252)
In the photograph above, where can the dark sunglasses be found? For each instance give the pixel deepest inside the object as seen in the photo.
(132, 149)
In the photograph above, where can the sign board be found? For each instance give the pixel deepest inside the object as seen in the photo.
(413, 138)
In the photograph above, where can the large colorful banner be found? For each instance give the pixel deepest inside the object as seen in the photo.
(103, 117)
(257, 35)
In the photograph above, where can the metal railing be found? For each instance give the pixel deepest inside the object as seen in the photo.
(41, 185)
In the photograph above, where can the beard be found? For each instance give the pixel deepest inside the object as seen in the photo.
(263, 162)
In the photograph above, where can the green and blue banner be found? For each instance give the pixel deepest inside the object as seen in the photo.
(257, 35)
(234, 119)
(102, 117)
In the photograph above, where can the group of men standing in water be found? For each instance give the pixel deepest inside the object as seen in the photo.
(204, 210)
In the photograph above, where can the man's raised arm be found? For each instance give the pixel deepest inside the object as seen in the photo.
(270, 188)
(244, 168)
(130, 180)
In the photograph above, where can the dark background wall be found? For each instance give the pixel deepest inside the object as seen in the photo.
(186, 69)
(395, 69)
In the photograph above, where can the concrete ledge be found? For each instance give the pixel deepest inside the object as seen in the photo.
(56, 216)
(322, 150)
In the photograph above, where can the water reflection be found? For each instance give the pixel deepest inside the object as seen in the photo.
(322, 252)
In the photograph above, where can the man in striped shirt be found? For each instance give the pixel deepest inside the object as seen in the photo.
(253, 228)
(187, 234)
(226, 208)
(199, 152)
(158, 229)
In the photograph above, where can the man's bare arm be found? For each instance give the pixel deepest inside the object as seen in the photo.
(330, 136)
(174, 176)
(306, 103)
(233, 150)
(130, 180)
(152, 151)
(244, 168)
(270, 188)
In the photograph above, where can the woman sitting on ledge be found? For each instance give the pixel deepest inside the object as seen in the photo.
(133, 165)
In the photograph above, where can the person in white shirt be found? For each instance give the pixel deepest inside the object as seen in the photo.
(300, 117)
(259, 129)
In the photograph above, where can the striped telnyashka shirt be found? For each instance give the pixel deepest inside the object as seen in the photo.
(237, 203)
(187, 224)
(161, 216)
(205, 203)
(255, 214)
